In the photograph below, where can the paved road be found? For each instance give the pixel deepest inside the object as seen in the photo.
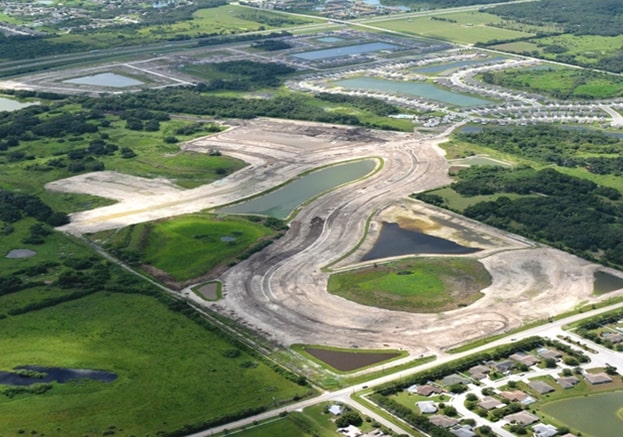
(551, 330)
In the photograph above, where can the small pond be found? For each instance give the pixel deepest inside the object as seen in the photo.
(111, 80)
(596, 415)
(346, 361)
(20, 253)
(281, 202)
(335, 52)
(54, 374)
(396, 241)
(605, 282)
(13, 105)
(419, 89)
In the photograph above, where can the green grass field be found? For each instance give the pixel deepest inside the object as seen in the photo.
(188, 246)
(463, 27)
(561, 82)
(417, 285)
(171, 371)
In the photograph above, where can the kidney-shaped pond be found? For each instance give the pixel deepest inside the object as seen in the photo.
(281, 202)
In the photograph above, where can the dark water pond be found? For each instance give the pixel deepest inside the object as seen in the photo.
(54, 374)
(349, 361)
(396, 241)
(605, 282)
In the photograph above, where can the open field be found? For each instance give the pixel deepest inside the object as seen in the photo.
(417, 285)
(462, 28)
(187, 247)
(168, 372)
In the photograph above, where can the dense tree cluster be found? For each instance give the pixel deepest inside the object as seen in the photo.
(370, 104)
(552, 144)
(271, 45)
(245, 75)
(567, 212)
(191, 100)
(603, 17)
(15, 206)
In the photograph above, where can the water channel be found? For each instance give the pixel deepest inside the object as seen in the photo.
(419, 89)
(281, 202)
(396, 241)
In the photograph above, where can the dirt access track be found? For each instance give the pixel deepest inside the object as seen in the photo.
(281, 291)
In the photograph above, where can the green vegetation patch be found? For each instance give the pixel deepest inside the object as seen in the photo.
(169, 368)
(415, 285)
(464, 27)
(187, 247)
(560, 83)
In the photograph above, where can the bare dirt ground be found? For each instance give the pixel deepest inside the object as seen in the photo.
(281, 291)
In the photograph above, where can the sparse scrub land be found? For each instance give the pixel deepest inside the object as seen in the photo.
(417, 285)
(559, 83)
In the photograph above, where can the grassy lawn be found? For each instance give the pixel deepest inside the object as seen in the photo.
(463, 27)
(416, 285)
(171, 371)
(188, 246)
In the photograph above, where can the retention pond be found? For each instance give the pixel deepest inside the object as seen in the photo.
(281, 202)
(396, 241)
(52, 374)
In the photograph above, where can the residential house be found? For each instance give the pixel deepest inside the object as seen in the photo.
(517, 396)
(443, 421)
(427, 390)
(525, 359)
(522, 418)
(454, 379)
(479, 372)
(489, 403)
(546, 353)
(426, 407)
(542, 430)
(336, 410)
(463, 431)
(541, 387)
(597, 378)
(567, 381)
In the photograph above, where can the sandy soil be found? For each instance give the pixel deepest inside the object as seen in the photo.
(281, 291)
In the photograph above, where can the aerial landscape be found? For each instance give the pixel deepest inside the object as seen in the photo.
(311, 218)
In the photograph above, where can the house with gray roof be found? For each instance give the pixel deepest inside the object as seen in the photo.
(542, 430)
(567, 381)
(426, 407)
(541, 387)
(525, 359)
(597, 378)
(546, 353)
(454, 379)
(463, 431)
